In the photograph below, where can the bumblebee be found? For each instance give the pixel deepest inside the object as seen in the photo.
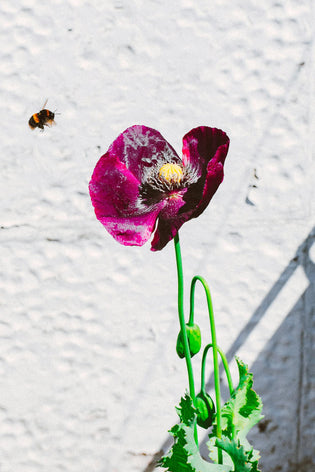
(43, 118)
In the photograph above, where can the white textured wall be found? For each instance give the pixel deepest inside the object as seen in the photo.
(88, 371)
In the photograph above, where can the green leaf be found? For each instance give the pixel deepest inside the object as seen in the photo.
(238, 415)
(186, 411)
(243, 410)
(184, 456)
(241, 458)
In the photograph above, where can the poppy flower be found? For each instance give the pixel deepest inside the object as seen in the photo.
(141, 185)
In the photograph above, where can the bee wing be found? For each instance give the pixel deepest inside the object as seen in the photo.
(44, 104)
(50, 123)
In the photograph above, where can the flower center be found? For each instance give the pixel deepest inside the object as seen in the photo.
(165, 180)
(171, 173)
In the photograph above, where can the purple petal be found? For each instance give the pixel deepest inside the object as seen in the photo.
(214, 178)
(169, 222)
(166, 230)
(202, 144)
(140, 147)
(114, 193)
(113, 188)
(133, 231)
(204, 149)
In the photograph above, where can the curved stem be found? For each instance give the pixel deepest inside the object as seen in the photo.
(225, 365)
(227, 371)
(203, 367)
(182, 316)
(214, 351)
(182, 323)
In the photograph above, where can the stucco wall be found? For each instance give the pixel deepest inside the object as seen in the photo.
(88, 369)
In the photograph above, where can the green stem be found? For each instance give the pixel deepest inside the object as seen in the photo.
(182, 317)
(182, 323)
(214, 351)
(225, 365)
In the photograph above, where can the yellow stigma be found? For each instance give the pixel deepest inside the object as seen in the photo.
(172, 173)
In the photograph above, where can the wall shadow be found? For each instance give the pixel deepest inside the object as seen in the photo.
(284, 374)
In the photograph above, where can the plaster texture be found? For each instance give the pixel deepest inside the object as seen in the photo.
(89, 375)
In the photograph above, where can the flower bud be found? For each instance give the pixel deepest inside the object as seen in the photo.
(205, 410)
(194, 341)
